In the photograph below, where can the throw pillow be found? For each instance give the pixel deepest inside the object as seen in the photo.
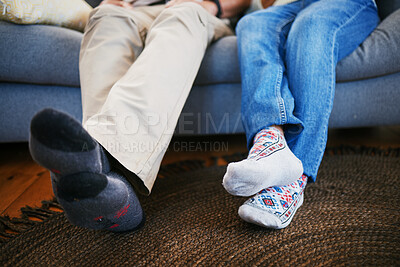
(67, 13)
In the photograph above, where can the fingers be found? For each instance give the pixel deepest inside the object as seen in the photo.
(210, 6)
(111, 2)
(176, 2)
(171, 3)
(117, 3)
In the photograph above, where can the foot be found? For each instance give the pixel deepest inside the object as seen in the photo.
(270, 163)
(91, 194)
(115, 207)
(274, 207)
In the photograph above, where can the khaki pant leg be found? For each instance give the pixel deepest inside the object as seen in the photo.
(137, 121)
(114, 37)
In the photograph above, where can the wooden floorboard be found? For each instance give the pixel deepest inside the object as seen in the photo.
(18, 172)
(23, 182)
(13, 186)
(39, 190)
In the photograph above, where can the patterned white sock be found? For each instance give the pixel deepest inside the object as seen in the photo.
(270, 163)
(274, 207)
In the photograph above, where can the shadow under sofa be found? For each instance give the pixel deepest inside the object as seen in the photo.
(39, 68)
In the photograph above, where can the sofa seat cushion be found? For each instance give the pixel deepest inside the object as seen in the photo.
(39, 54)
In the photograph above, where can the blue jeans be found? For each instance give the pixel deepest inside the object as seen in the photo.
(288, 56)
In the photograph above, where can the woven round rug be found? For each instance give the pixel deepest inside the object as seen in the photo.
(350, 216)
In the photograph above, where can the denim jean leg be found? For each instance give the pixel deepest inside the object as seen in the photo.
(266, 98)
(322, 34)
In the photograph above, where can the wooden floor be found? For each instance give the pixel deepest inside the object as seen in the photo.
(23, 182)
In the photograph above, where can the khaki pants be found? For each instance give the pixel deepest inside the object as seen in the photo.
(136, 69)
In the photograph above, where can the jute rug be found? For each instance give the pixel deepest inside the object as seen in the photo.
(351, 217)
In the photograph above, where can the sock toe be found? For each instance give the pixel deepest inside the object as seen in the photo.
(235, 182)
(57, 130)
(116, 208)
(253, 215)
(229, 181)
(59, 143)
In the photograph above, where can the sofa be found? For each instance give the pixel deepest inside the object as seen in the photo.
(39, 68)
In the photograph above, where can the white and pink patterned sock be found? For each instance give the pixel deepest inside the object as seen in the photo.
(274, 207)
(270, 163)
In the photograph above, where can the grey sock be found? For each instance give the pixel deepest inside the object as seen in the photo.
(91, 194)
(115, 208)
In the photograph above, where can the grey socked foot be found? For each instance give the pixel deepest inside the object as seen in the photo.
(92, 195)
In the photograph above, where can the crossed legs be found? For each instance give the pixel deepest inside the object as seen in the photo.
(288, 56)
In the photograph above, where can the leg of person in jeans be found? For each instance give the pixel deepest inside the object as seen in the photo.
(266, 101)
(138, 101)
(322, 33)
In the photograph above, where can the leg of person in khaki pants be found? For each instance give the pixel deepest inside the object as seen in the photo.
(114, 38)
(140, 111)
(137, 67)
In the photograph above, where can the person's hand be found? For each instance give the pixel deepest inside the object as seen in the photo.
(117, 3)
(211, 7)
(267, 3)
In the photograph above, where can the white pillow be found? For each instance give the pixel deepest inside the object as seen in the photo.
(66, 13)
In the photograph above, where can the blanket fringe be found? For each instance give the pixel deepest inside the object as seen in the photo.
(11, 227)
